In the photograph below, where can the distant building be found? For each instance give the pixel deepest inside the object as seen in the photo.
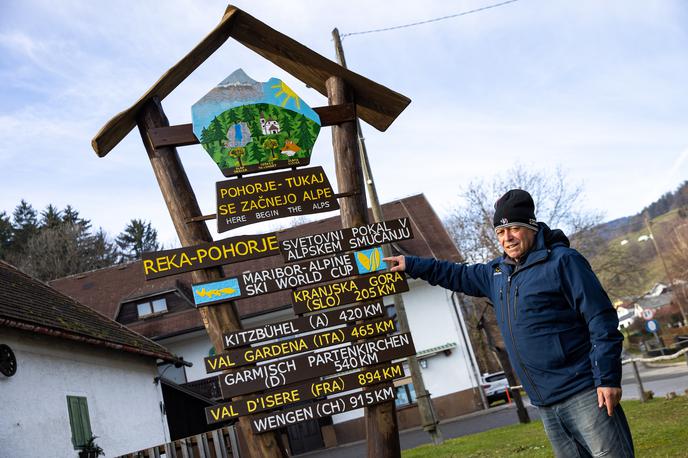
(163, 310)
(78, 373)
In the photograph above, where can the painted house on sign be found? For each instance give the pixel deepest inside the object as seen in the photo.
(435, 320)
(77, 373)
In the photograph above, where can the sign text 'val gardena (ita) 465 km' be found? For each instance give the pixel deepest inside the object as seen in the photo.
(337, 279)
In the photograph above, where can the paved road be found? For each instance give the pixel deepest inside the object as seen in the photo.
(661, 380)
(495, 417)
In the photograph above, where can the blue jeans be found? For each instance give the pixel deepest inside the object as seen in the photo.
(577, 427)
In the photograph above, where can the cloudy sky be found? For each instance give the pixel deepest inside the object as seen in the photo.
(598, 88)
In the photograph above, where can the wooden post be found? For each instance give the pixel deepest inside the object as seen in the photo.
(182, 205)
(639, 380)
(428, 419)
(381, 420)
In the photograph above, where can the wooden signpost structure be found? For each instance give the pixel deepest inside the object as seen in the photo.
(349, 95)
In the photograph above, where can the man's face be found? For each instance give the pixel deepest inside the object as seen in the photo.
(515, 240)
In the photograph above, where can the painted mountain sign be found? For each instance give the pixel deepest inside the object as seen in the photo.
(289, 276)
(273, 195)
(352, 238)
(246, 126)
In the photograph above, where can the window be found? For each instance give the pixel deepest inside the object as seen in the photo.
(79, 421)
(406, 395)
(148, 308)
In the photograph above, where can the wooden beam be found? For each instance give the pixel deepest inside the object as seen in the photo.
(382, 430)
(375, 104)
(183, 206)
(182, 134)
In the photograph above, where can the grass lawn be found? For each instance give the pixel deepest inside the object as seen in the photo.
(659, 428)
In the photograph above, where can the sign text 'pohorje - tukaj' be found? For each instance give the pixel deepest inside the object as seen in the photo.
(271, 196)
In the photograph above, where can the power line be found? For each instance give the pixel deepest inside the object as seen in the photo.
(429, 20)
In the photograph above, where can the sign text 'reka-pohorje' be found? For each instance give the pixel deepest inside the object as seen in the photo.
(366, 288)
(278, 373)
(353, 238)
(300, 324)
(304, 392)
(271, 196)
(158, 264)
(249, 355)
(274, 279)
(325, 408)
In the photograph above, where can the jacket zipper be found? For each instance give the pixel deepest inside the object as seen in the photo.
(513, 340)
(516, 304)
(501, 303)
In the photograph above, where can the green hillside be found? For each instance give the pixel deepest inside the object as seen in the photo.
(628, 263)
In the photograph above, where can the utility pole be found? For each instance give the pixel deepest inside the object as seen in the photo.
(648, 225)
(382, 429)
(426, 410)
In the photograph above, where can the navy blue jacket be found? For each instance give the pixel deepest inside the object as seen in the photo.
(559, 327)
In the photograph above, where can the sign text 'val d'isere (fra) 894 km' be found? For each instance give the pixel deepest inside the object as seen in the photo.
(337, 279)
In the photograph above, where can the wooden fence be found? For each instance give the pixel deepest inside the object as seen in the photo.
(220, 443)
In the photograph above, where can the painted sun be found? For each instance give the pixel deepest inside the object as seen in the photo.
(288, 94)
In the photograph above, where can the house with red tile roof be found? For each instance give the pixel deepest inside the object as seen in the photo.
(68, 372)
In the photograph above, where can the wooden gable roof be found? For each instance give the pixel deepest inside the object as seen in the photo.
(106, 289)
(375, 104)
(30, 305)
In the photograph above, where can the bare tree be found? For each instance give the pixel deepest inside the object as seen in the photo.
(557, 202)
(63, 250)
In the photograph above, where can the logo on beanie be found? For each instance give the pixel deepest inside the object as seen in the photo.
(532, 221)
(503, 220)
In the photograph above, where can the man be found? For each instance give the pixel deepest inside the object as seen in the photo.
(559, 327)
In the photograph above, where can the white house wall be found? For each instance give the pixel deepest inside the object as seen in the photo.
(123, 401)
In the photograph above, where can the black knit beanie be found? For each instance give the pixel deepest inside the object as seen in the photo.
(515, 208)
